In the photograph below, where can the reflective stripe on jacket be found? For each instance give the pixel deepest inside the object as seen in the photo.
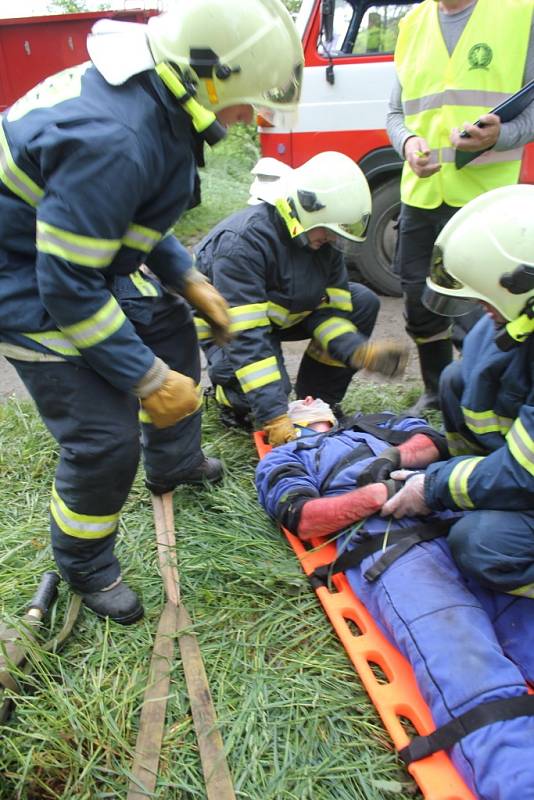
(440, 92)
(272, 284)
(497, 470)
(92, 178)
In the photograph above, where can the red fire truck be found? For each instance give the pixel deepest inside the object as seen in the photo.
(348, 50)
(31, 48)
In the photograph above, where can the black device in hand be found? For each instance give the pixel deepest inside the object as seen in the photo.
(508, 110)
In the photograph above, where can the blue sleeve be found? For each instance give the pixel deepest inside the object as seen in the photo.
(503, 479)
(170, 261)
(281, 475)
(92, 191)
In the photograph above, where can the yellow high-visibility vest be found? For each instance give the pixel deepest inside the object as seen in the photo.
(441, 92)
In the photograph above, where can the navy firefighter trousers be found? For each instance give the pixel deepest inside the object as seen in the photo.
(97, 428)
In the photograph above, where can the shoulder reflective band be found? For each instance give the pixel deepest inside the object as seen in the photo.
(452, 732)
(16, 179)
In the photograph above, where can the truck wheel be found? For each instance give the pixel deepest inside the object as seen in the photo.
(373, 258)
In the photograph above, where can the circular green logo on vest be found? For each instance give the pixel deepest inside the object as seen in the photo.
(480, 56)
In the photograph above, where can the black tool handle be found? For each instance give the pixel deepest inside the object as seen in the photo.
(46, 593)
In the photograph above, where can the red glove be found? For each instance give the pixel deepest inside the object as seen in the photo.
(418, 451)
(324, 515)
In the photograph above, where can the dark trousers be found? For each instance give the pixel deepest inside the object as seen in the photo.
(418, 230)
(495, 547)
(325, 380)
(97, 429)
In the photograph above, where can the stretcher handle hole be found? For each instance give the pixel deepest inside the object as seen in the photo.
(408, 726)
(379, 672)
(353, 626)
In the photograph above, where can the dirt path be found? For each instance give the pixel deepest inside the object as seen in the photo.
(390, 323)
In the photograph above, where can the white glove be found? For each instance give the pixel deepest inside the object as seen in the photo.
(410, 500)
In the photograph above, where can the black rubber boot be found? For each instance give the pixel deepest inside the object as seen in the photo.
(208, 471)
(433, 358)
(119, 603)
(233, 419)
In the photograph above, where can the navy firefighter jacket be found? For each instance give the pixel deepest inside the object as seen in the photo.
(92, 177)
(271, 284)
(493, 467)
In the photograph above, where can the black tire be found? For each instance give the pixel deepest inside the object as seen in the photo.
(371, 261)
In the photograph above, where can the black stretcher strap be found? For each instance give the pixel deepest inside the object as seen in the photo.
(452, 732)
(401, 540)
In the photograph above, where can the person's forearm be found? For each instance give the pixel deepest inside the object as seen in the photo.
(520, 131)
(395, 126)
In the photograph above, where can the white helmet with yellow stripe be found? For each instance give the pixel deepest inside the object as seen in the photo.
(231, 52)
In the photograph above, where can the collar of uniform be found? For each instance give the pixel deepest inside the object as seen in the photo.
(179, 120)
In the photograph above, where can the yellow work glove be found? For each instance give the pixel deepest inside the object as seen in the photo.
(279, 430)
(177, 397)
(209, 304)
(386, 356)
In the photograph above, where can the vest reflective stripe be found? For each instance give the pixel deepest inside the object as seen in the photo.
(458, 482)
(145, 287)
(521, 446)
(81, 526)
(282, 317)
(338, 299)
(82, 250)
(55, 341)
(258, 374)
(98, 327)
(454, 97)
(332, 328)
(140, 238)
(315, 351)
(447, 155)
(440, 92)
(14, 178)
(204, 331)
(523, 591)
(458, 446)
(252, 315)
(486, 422)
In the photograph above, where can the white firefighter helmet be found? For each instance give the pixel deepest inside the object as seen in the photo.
(328, 191)
(266, 184)
(486, 253)
(233, 52)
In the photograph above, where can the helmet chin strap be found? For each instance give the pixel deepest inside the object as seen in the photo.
(204, 121)
(286, 209)
(518, 330)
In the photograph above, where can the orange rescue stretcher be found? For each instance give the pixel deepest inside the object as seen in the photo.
(397, 700)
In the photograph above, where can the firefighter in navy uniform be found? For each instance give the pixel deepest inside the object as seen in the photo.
(278, 266)
(97, 164)
(485, 253)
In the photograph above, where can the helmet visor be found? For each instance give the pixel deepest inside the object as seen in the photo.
(447, 304)
(439, 275)
(287, 95)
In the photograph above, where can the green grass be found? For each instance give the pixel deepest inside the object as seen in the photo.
(224, 183)
(295, 720)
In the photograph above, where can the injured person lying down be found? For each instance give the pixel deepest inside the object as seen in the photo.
(470, 647)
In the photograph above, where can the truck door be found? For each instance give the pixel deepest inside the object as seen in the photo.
(348, 75)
